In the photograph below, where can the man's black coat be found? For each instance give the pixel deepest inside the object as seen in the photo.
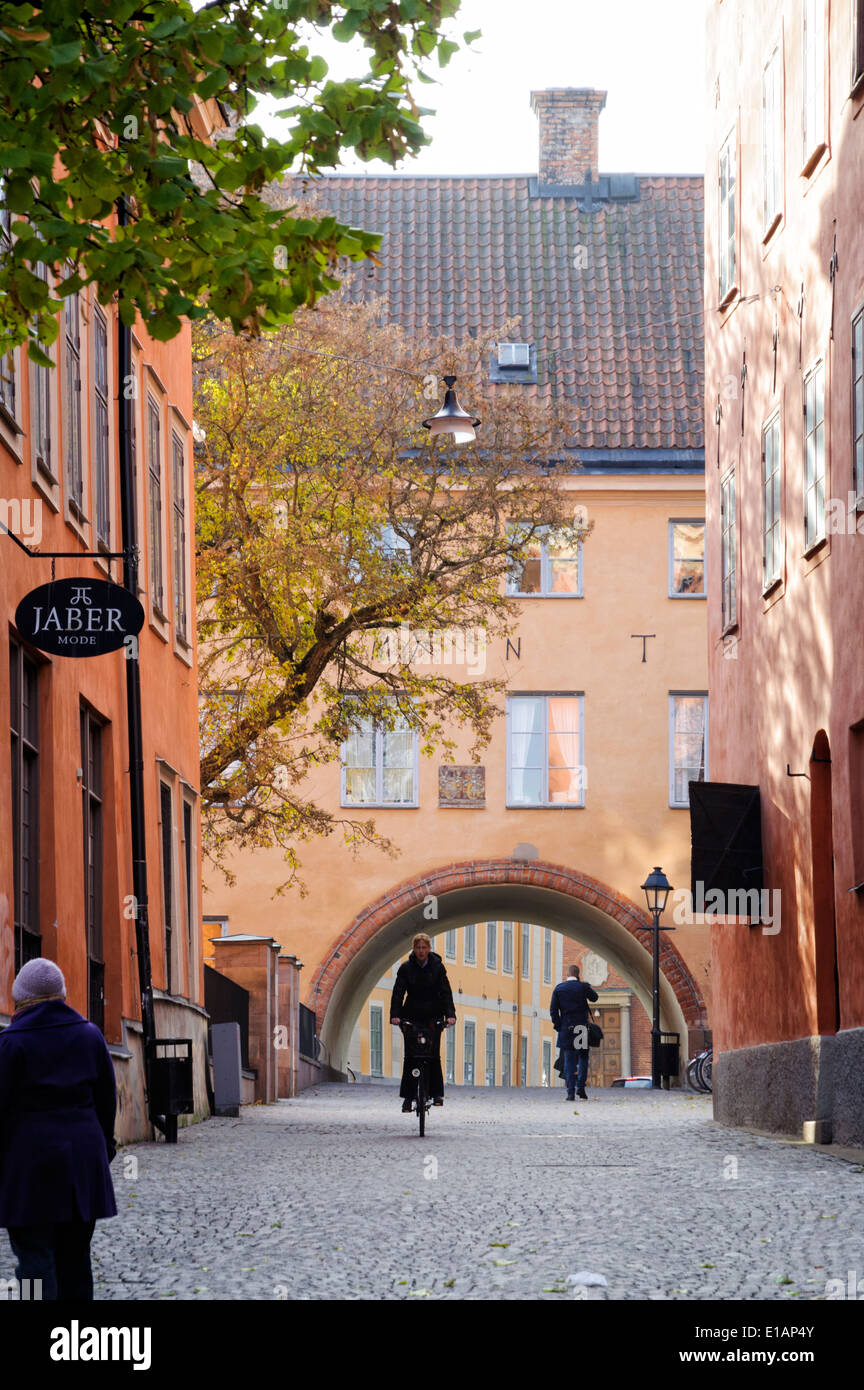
(422, 992)
(569, 1006)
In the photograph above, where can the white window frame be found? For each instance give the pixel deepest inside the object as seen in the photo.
(545, 696)
(179, 536)
(506, 1034)
(772, 504)
(469, 1023)
(546, 1067)
(728, 551)
(814, 133)
(492, 956)
(44, 440)
(675, 695)
(379, 1010)
(548, 956)
(100, 438)
(526, 950)
(814, 428)
(378, 754)
(772, 142)
(523, 1062)
(450, 945)
(155, 492)
(858, 403)
(507, 935)
(507, 355)
(470, 934)
(727, 244)
(545, 590)
(490, 1031)
(450, 1056)
(685, 521)
(73, 342)
(10, 363)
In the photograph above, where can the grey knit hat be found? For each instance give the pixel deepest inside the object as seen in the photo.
(38, 979)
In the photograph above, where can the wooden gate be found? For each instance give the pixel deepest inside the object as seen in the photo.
(605, 1061)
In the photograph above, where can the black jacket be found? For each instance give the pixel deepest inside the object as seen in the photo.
(422, 992)
(569, 1006)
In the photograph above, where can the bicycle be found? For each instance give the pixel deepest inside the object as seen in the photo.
(422, 1043)
(699, 1071)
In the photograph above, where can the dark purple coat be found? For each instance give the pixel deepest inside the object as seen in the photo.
(57, 1105)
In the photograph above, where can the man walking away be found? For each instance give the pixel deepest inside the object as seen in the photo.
(568, 1009)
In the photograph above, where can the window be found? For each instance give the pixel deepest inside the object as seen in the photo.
(687, 559)
(376, 1041)
(101, 491)
(552, 569)
(526, 950)
(41, 411)
(470, 944)
(726, 243)
(167, 827)
(506, 1057)
(8, 392)
(814, 82)
(547, 1063)
(523, 1060)
(490, 1056)
(24, 722)
(179, 471)
(450, 945)
(507, 948)
(379, 765)
(772, 142)
(688, 744)
(468, 1056)
(450, 1056)
(771, 556)
(491, 945)
(858, 402)
(728, 551)
(72, 407)
(154, 502)
(189, 874)
(91, 803)
(814, 456)
(857, 41)
(514, 354)
(547, 955)
(545, 750)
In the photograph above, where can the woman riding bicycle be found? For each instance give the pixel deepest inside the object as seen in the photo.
(421, 994)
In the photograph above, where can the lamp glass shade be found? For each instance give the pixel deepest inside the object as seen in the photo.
(452, 419)
(657, 889)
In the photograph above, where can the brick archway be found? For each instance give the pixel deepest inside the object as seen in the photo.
(459, 892)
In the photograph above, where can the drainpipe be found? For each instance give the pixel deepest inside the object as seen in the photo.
(518, 965)
(133, 685)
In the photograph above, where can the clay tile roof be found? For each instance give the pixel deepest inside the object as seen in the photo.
(611, 297)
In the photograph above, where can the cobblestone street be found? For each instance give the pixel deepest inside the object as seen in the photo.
(334, 1196)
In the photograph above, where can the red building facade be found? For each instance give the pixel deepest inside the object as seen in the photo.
(784, 315)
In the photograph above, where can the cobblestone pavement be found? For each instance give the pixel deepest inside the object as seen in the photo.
(334, 1196)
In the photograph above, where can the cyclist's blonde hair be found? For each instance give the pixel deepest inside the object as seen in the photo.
(421, 936)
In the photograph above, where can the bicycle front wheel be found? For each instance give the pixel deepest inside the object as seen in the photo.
(421, 1101)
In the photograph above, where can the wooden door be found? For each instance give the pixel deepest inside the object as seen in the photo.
(604, 1062)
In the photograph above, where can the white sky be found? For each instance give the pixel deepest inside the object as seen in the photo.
(648, 55)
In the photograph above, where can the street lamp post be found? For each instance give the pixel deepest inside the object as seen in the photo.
(657, 889)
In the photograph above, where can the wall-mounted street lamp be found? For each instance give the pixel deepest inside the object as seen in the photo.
(451, 418)
(657, 889)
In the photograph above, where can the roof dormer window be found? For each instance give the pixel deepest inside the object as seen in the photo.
(514, 355)
(515, 363)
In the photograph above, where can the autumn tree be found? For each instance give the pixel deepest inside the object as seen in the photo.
(337, 542)
(100, 103)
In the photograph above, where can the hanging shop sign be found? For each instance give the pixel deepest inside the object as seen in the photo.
(79, 617)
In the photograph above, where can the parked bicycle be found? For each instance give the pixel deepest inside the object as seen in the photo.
(422, 1043)
(699, 1071)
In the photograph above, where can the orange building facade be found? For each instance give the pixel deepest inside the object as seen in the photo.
(584, 785)
(784, 309)
(65, 848)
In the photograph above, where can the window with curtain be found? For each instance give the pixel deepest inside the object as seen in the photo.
(379, 765)
(814, 455)
(728, 551)
(687, 559)
(688, 744)
(545, 764)
(771, 553)
(552, 569)
(772, 141)
(728, 176)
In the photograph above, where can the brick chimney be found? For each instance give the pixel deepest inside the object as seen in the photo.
(568, 117)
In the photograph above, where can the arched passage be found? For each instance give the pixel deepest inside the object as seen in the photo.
(522, 890)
